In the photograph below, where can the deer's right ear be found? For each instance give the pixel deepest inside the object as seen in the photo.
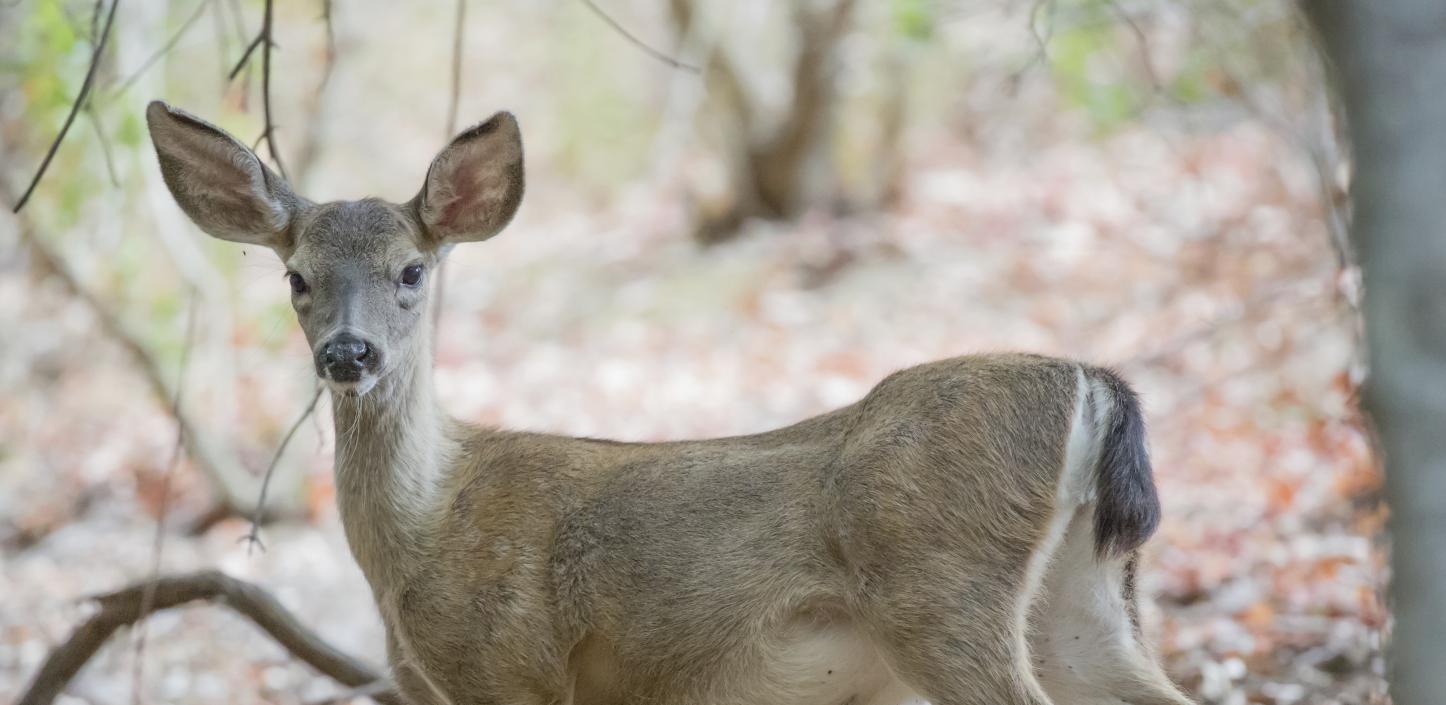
(218, 182)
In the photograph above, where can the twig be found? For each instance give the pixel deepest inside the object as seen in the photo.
(266, 43)
(125, 607)
(158, 541)
(89, 106)
(660, 56)
(75, 107)
(720, 70)
(458, 43)
(266, 89)
(233, 483)
(253, 537)
(1041, 40)
(166, 48)
(1147, 57)
(245, 57)
(104, 142)
(312, 139)
(330, 64)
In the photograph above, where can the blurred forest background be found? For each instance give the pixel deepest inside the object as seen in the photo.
(738, 214)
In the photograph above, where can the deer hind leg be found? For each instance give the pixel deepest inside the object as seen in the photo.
(1084, 632)
(952, 634)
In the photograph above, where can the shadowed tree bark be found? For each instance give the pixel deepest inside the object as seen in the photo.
(769, 166)
(1388, 62)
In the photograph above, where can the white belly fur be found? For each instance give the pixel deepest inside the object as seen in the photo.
(828, 664)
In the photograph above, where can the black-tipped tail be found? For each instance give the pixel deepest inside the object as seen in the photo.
(1127, 508)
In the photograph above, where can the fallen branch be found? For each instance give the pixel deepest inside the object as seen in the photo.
(127, 606)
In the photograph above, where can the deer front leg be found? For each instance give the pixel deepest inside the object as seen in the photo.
(411, 684)
(492, 649)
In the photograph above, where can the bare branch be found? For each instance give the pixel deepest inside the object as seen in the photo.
(158, 541)
(234, 485)
(458, 36)
(265, 41)
(458, 44)
(330, 64)
(266, 21)
(104, 142)
(720, 71)
(1041, 39)
(127, 606)
(75, 107)
(312, 138)
(1147, 57)
(166, 48)
(660, 56)
(253, 537)
(245, 57)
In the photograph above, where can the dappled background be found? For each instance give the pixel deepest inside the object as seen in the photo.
(738, 214)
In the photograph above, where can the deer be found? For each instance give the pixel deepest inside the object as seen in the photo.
(967, 533)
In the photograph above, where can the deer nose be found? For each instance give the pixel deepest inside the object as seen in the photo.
(345, 357)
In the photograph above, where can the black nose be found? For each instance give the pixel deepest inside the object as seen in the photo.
(345, 357)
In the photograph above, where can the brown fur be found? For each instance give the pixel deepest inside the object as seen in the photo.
(922, 541)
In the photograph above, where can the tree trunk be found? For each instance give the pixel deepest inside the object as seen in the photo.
(1389, 64)
(769, 172)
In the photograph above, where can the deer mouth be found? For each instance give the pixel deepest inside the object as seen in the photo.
(351, 388)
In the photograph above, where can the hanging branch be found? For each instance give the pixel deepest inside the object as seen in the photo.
(75, 107)
(266, 90)
(126, 607)
(253, 537)
(265, 42)
(166, 48)
(660, 56)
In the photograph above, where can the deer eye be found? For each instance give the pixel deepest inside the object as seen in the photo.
(412, 275)
(298, 285)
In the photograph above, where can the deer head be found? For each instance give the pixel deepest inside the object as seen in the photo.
(357, 269)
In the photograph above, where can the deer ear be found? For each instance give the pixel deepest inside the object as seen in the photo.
(474, 186)
(218, 182)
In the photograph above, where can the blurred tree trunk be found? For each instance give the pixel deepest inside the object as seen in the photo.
(769, 168)
(1388, 60)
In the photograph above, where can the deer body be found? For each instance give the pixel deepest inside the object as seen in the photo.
(966, 533)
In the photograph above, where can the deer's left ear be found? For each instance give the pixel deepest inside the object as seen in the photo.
(475, 185)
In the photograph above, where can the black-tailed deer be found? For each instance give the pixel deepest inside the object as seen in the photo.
(965, 534)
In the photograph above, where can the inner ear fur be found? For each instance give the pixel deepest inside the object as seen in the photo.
(474, 186)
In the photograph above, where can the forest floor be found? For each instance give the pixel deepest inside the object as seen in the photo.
(1196, 265)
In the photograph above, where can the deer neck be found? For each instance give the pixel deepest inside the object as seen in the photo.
(391, 453)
